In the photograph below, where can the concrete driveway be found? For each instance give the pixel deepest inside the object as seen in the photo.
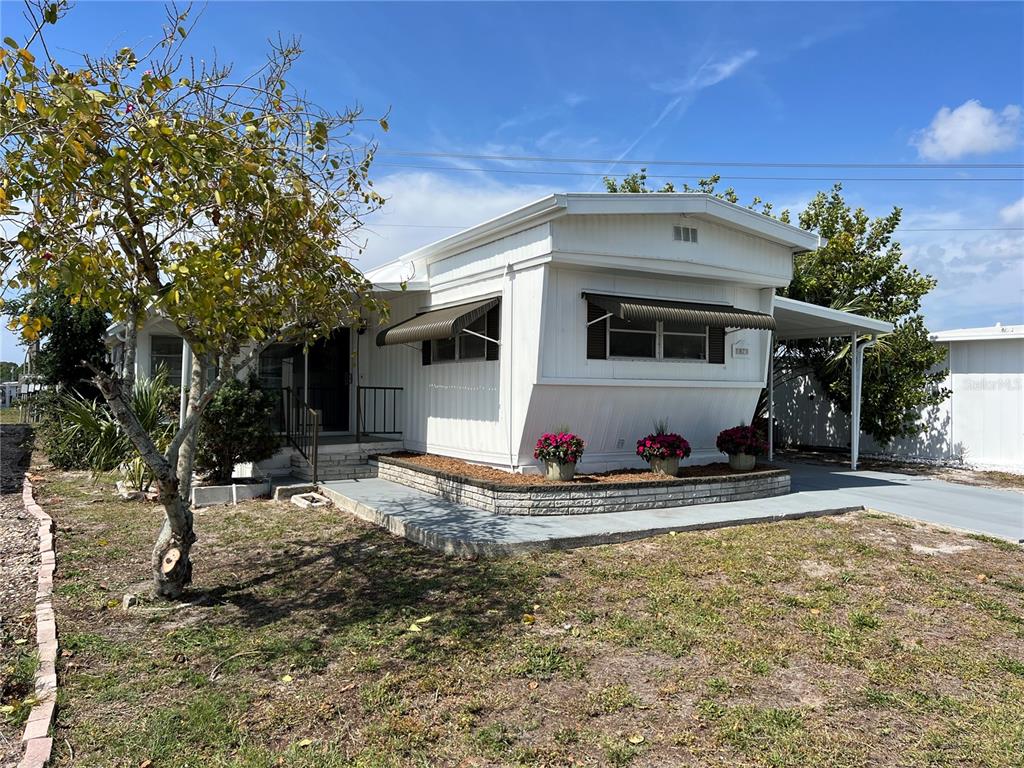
(989, 511)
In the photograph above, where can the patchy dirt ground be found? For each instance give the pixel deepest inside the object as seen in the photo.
(490, 474)
(18, 563)
(976, 477)
(313, 639)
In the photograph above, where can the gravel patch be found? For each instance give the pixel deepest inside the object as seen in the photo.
(18, 564)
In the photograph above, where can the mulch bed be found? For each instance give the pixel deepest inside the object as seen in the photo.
(18, 564)
(452, 466)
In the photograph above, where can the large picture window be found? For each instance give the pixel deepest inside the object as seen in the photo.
(658, 329)
(656, 340)
(165, 354)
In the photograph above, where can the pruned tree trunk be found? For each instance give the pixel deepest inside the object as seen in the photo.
(171, 558)
(172, 563)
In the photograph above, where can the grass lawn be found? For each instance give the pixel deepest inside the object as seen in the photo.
(317, 640)
(11, 416)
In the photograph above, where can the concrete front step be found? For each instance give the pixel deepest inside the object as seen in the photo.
(343, 461)
(334, 473)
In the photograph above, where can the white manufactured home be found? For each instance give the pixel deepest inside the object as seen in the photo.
(600, 313)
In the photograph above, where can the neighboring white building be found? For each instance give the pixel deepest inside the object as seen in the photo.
(603, 313)
(8, 393)
(981, 424)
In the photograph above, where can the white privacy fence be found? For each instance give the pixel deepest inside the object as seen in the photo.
(981, 424)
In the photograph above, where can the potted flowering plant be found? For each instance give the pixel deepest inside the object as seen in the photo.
(559, 451)
(663, 450)
(743, 444)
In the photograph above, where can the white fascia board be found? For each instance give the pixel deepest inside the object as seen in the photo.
(695, 204)
(487, 274)
(525, 217)
(668, 267)
(391, 275)
(990, 333)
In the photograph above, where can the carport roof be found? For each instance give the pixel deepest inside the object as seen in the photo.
(800, 320)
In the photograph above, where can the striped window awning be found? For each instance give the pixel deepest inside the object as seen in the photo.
(711, 315)
(436, 324)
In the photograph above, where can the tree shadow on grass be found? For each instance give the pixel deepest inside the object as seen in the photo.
(371, 577)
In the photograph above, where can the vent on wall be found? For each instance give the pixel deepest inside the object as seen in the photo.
(684, 234)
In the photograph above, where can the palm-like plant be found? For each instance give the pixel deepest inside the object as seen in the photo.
(93, 424)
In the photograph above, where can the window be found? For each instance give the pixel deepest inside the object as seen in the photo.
(271, 367)
(632, 339)
(683, 342)
(467, 345)
(684, 234)
(656, 340)
(165, 353)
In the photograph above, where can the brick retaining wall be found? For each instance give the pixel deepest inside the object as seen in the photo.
(558, 499)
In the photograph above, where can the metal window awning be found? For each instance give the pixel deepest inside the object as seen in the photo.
(436, 324)
(712, 315)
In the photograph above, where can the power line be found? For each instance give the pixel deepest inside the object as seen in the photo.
(535, 172)
(697, 163)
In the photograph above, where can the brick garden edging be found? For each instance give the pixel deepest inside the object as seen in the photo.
(558, 499)
(36, 738)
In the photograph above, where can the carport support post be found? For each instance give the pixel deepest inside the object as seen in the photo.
(858, 381)
(854, 404)
(771, 400)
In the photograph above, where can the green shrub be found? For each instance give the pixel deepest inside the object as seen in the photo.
(235, 428)
(64, 448)
(80, 433)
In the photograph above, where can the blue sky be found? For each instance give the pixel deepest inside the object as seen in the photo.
(765, 82)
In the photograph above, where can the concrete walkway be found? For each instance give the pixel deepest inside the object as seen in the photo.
(818, 490)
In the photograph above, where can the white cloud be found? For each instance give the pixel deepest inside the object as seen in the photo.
(980, 278)
(443, 203)
(683, 92)
(711, 72)
(1013, 213)
(970, 129)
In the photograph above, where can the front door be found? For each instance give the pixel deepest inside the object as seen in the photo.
(329, 379)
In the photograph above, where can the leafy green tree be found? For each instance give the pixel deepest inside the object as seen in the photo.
(236, 428)
(150, 184)
(860, 269)
(637, 183)
(9, 371)
(71, 339)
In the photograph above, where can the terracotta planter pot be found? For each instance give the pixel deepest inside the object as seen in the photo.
(559, 471)
(741, 462)
(668, 466)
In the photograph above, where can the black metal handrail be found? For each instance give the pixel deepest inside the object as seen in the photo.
(377, 411)
(302, 428)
